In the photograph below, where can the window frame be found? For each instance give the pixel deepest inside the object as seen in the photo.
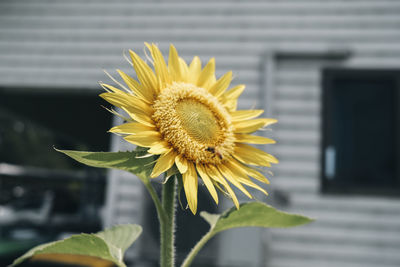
(329, 186)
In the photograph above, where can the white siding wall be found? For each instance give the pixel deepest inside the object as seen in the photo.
(58, 43)
(349, 231)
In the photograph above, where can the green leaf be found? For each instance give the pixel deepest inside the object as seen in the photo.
(119, 238)
(256, 214)
(251, 214)
(109, 245)
(133, 162)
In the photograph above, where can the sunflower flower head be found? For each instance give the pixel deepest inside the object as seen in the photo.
(189, 119)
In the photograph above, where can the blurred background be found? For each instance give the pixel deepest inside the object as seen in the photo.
(329, 71)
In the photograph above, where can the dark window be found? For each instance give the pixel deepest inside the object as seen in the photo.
(45, 193)
(33, 121)
(361, 131)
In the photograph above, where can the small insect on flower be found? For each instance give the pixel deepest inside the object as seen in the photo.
(189, 118)
(214, 151)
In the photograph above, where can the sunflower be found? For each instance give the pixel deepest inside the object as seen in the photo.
(189, 119)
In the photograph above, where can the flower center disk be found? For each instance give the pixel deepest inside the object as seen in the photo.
(198, 121)
(194, 123)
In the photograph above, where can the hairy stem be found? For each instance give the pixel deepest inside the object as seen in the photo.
(195, 250)
(167, 226)
(160, 210)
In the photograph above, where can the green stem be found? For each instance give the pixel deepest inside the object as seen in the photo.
(160, 211)
(167, 227)
(195, 250)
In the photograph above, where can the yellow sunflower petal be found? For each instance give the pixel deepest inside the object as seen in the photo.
(124, 118)
(231, 105)
(149, 134)
(130, 105)
(174, 66)
(207, 75)
(216, 175)
(233, 93)
(219, 187)
(147, 140)
(246, 114)
(254, 156)
(233, 178)
(184, 69)
(253, 173)
(221, 85)
(159, 148)
(164, 162)
(137, 116)
(194, 70)
(110, 88)
(247, 181)
(128, 101)
(131, 128)
(207, 181)
(181, 163)
(114, 99)
(250, 126)
(139, 104)
(159, 65)
(243, 178)
(136, 87)
(145, 75)
(190, 183)
(230, 98)
(253, 139)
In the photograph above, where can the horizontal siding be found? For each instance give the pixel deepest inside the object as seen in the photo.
(201, 35)
(37, 36)
(209, 48)
(387, 238)
(31, 21)
(195, 7)
(349, 231)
